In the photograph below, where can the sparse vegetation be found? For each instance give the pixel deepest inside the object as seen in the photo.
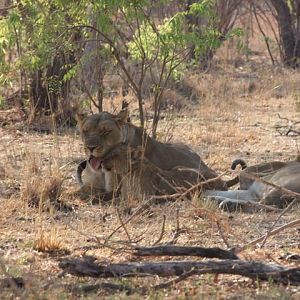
(212, 130)
(242, 106)
(42, 191)
(48, 242)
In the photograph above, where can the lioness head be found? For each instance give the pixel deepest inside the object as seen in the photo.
(100, 132)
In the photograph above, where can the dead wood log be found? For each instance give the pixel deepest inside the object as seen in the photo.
(253, 269)
(185, 251)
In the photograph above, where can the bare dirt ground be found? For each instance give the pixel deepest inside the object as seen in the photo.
(229, 121)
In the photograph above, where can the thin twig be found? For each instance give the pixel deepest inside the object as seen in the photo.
(290, 126)
(92, 237)
(177, 231)
(139, 209)
(177, 219)
(278, 218)
(222, 235)
(123, 225)
(153, 198)
(266, 39)
(284, 211)
(273, 232)
(162, 231)
(199, 185)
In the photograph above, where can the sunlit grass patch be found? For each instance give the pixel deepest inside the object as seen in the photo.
(49, 242)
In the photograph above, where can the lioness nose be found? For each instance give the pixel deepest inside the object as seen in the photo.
(91, 148)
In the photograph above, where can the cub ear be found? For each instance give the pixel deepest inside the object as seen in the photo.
(80, 117)
(123, 116)
(125, 104)
(138, 153)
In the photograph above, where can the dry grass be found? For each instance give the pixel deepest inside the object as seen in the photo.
(48, 242)
(235, 117)
(42, 191)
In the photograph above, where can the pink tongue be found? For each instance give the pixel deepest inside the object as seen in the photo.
(95, 162)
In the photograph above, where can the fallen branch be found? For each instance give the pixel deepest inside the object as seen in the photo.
(253, 269)
(185, 251)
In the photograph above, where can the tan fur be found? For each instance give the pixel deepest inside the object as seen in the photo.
(259, 170)
(283, 174)
(140, 177)
(98, 132)
(101, 132)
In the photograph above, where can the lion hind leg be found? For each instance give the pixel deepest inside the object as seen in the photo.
(231, 200)
(240, 195)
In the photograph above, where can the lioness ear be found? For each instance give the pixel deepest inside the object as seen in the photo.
(80, 117)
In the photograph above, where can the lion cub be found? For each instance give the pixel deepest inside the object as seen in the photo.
(140, 177)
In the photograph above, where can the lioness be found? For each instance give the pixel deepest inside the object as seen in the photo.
(102, 131)
(283, 174)
(140, 177)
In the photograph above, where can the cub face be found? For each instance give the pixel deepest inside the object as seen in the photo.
(117, 159)
(121, 159)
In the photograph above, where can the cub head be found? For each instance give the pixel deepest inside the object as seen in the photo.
(122, 158)
(100, 132)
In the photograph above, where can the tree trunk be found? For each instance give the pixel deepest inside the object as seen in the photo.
(46, 90)
(195, 23)
(49, 92)
(291, 47)
(226, 12)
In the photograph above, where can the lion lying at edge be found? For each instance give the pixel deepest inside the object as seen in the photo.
(282, 174)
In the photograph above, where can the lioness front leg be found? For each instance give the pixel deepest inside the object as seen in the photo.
(94, 186)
